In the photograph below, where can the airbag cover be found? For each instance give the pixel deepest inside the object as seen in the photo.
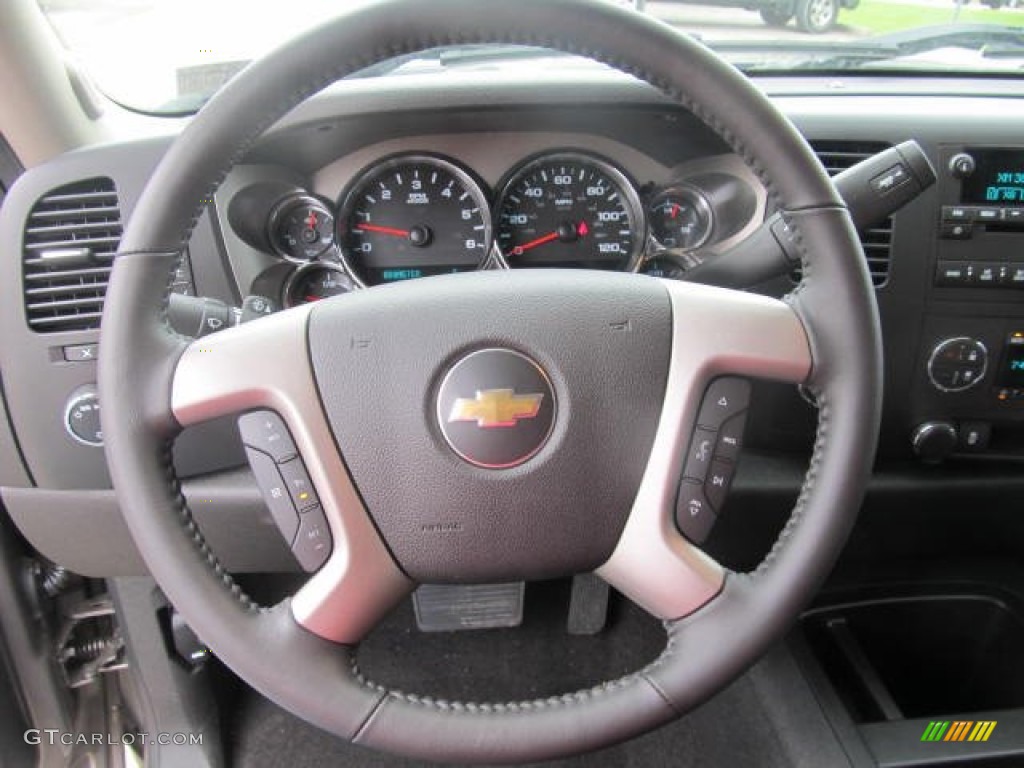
(603, 343)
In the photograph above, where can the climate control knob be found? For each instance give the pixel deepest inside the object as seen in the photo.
(933, 441)
(957, 364)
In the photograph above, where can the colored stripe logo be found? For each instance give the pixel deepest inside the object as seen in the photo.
(959, 730)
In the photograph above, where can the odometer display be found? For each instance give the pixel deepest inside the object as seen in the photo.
(413, 216)
(570, 210)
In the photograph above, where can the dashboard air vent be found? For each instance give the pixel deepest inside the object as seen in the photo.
(837, 156)
(70, 239)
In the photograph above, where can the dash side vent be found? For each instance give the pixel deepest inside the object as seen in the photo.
(837, 156)
(69, 242)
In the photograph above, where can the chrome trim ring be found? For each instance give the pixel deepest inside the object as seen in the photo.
(281, 207)
(699, 201)
(444, 417)
(462, 175)
(938, 350)
(292, 281)
(630, 198)
(80, 395)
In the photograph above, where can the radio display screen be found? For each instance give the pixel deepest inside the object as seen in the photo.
(998, 178)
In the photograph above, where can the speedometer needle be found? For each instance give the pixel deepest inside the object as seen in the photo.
(567, 232)
(383, 230)
(534, 243)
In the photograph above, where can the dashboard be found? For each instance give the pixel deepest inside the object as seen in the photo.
(447, 203)
(365, 184)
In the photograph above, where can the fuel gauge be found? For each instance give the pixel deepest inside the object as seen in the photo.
(301, 228)
(680, 218)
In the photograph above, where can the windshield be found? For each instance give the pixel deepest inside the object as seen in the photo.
(169, 56)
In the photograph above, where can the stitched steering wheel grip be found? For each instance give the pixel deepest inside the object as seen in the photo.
(303, 660)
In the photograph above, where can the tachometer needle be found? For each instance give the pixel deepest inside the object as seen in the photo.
(534, 243)
(383, 230)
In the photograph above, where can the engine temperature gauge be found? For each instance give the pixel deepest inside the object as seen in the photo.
(680, 218)
(301, 228)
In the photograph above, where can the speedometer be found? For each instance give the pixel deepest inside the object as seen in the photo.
(413, 216)
(570, 210)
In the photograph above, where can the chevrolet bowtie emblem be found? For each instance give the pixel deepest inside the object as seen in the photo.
(493, 408)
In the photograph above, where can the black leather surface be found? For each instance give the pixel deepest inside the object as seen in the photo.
(314, 678)
(603, 340)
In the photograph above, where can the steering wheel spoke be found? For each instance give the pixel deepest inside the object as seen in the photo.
(265, 365)
(716, 332)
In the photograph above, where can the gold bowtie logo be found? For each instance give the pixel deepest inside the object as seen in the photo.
(493, 408)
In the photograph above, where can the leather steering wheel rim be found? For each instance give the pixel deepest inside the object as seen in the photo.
(317, 679)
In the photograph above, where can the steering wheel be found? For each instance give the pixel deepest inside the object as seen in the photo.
(376, 390)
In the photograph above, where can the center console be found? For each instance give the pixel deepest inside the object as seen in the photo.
(967, 395)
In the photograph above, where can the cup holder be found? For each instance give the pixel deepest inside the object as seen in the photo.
(919, 657)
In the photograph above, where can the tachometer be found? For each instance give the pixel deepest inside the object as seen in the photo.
(570, 210)
(413, 216)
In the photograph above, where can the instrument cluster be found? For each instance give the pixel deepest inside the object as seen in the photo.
(413, 215)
